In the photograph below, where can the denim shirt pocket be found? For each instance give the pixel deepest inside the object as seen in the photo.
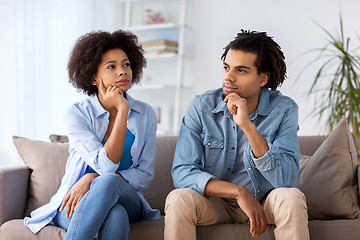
(214, 149)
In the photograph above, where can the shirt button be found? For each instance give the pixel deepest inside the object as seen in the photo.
(233, 127)
(244, 149)
(232, 148)
(249, 169)
(258, 191)
(209, 144)
(228, 169)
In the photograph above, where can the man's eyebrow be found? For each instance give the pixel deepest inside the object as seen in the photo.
(240, 66)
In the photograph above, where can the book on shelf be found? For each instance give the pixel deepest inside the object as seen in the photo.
(160, 42)
(160, 47)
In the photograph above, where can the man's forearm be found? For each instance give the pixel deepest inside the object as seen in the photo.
(223, 189)
(257, 142)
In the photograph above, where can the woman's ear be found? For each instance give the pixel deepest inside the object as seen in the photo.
(264, 78)
(94, 82)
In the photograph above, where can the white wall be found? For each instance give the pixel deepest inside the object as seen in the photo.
(38, 35)
(215, 23)
(36, 39)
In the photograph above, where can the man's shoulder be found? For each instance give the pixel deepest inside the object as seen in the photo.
(279, 101)
(208, 100)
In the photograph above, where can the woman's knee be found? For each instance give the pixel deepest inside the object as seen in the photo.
(108, 182)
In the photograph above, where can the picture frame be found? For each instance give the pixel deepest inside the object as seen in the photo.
(162, 114)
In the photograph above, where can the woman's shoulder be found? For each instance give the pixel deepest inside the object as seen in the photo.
(87, 107)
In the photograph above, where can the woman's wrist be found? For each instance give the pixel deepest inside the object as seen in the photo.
(91, 176)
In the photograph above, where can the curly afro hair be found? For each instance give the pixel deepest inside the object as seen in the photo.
(270, 58)
(89, 50)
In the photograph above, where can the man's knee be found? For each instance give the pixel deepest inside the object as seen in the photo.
(292, 197)
(179, 199)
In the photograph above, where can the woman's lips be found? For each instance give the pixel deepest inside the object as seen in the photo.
(122, 82)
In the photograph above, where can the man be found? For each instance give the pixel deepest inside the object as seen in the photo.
(237, 155)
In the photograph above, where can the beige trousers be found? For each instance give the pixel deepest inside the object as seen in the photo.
(185, 209)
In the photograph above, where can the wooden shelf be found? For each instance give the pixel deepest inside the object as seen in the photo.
(161, 56)
(157, 86)
(167, 83)
(150, 27)
(153, 86)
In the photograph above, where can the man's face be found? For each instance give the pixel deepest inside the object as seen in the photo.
(241, 76)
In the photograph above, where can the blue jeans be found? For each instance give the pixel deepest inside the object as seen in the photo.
(108, 208)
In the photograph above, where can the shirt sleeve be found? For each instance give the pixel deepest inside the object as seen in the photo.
(85, 143)
(188, 166)
(141, 174)
(280, 164)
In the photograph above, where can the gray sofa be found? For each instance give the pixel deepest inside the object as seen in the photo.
(14, 185)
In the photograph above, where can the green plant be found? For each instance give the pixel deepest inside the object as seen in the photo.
(340, 70)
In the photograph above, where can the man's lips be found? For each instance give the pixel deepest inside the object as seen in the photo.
(229, 88)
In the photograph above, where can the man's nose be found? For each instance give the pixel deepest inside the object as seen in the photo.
(229, 76)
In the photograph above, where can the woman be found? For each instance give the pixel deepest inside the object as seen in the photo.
(111, 143)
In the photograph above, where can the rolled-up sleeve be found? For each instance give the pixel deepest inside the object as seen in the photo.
(280, 164)
(188, 166)
(85, 143)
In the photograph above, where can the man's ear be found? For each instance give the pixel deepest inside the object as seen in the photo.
(264, 78)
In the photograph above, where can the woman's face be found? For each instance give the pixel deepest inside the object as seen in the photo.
(115, 70)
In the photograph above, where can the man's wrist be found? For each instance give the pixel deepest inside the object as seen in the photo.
(239, 192)
(247, 126)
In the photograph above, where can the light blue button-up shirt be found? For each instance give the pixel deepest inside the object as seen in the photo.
(87, 122)
(207, 143)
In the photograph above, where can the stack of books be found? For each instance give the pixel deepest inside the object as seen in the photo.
(160, 47)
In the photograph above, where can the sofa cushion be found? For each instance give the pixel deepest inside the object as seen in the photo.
(162, 183)
(47, 162)
(16, 230)
(59, 138)
(328, 178)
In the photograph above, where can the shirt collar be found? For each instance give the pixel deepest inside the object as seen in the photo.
(221, 107)
(262, 108)
(133, 103)
(100, 110)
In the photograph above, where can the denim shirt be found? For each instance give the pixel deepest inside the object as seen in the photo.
(86, 123)
(207, 143)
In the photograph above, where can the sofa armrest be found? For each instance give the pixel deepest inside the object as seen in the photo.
(13, 192)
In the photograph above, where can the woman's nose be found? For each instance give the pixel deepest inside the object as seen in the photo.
(121, 73)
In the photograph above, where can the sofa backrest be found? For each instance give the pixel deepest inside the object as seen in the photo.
(162, 183)
(309, 144)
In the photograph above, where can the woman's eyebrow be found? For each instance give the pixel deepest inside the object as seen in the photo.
(113, 61)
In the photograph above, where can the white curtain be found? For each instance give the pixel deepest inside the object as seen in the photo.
(36, 39)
